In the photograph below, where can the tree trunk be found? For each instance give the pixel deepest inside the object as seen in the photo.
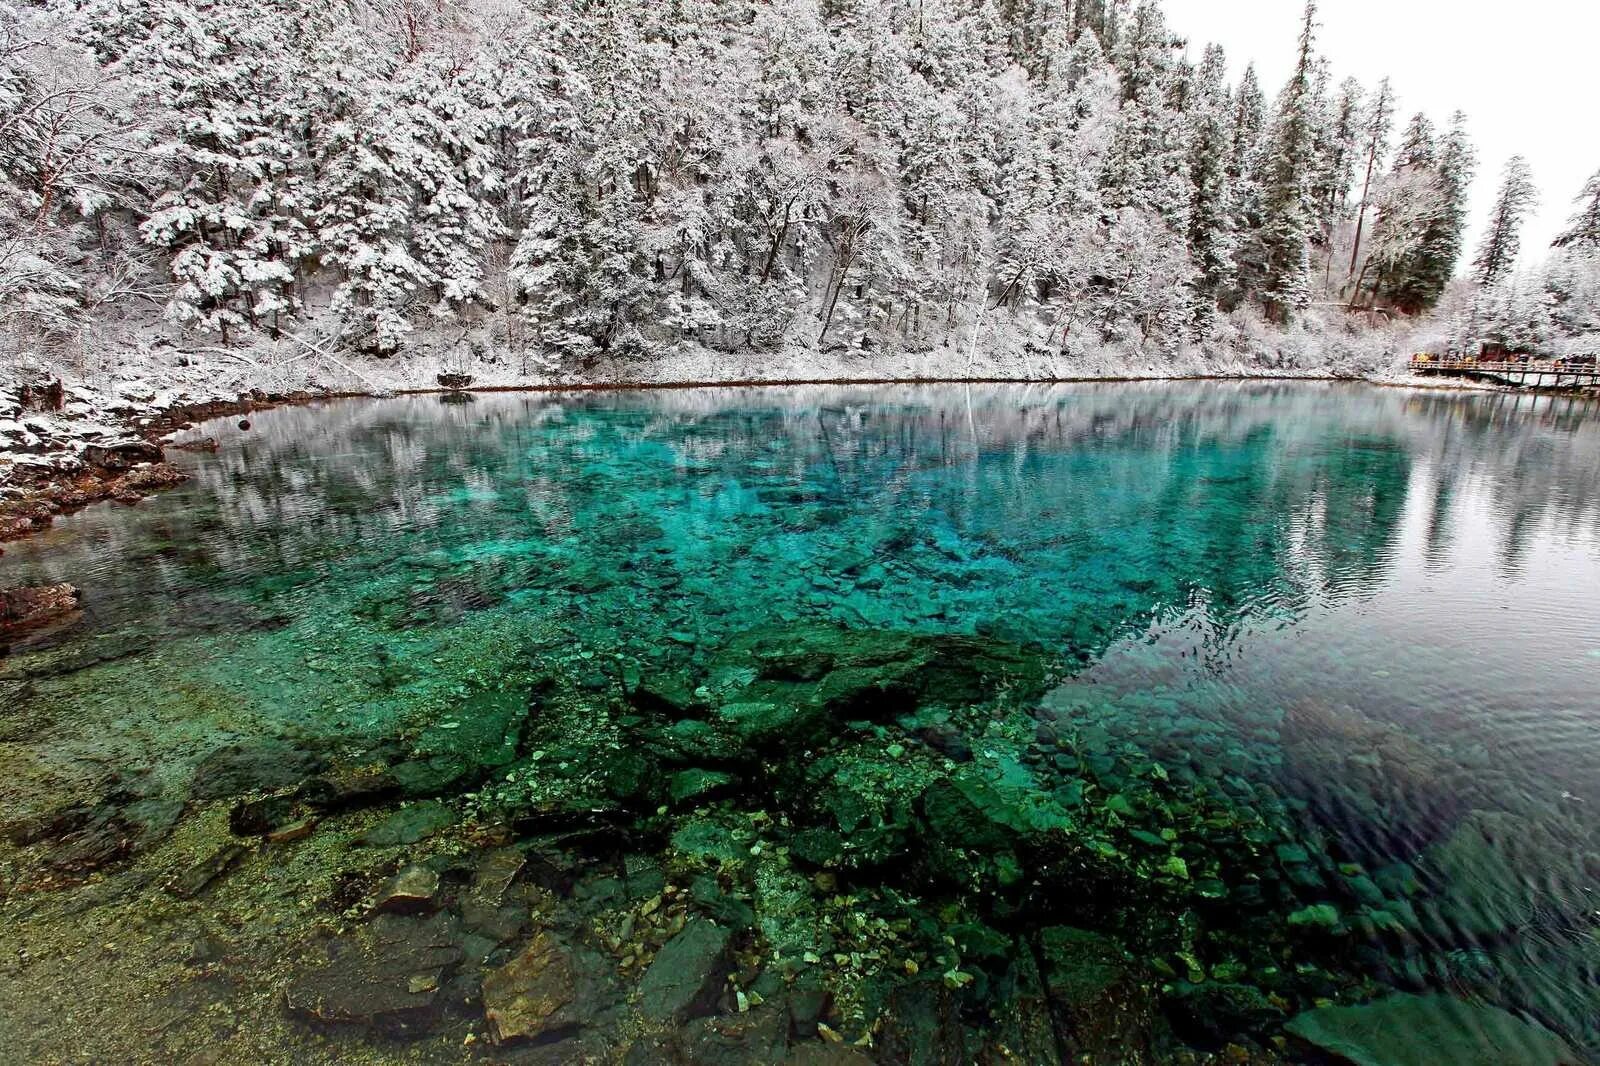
(777, 244)
(833, 302)
(1361, 212)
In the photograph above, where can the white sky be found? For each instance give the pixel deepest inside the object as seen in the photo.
(1527, 74)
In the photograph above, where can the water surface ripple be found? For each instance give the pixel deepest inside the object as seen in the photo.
(1130, 720)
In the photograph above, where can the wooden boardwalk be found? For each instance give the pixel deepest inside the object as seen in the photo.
(1538, 374)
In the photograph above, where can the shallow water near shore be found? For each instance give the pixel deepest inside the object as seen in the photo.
(1143, 722)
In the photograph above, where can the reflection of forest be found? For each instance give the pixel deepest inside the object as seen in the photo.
(1230, 493)
(1533, 457)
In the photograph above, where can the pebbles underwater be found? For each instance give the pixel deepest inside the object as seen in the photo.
(1169, 723)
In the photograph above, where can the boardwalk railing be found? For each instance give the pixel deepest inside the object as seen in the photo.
(1551, 373)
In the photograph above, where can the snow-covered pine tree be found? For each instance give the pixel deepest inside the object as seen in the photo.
(579, 270)
(1440, 248)
(1521, 320)
(1375, 130)
(1405, 205)
(1338, 149)
(1245, 163)
(362, 199)
(1502, 241)
(226, 81)
(1572, 287)
(687, 180)
(1287, 214)
(444, 107)
(1147, 167)
(1583, 231)
(1094, 16)
(1211, 213)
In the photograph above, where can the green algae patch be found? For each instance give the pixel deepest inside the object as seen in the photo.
(1407, 1030)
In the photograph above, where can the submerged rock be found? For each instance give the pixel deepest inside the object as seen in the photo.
(697, 784)
(84, 836)
(412, 890)
(687, 973)
(21, 608)
(1356, 769)
(1323, 916)
(388, 974)
(758, 1035)
(410, 825)
(199, 877)
(1096, 994)
(787, 686)
(434, 775)
(1484, 877)
(261, 817)
(692, 741)
(922, 1025)
(489, 907)
(483, 730)
(255, 766)
(1407, 1030)
(530, 996)
(102, 842)
(1217, 1012)
(666, 696)
(345, 788)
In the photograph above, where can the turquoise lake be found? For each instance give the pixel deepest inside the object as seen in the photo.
(1122, 723)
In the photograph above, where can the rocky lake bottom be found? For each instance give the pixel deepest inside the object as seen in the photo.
(1160, 723)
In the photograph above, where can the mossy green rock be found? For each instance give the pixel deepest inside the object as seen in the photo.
(1317, 916)
(707, 839)
(768, 722)
(483, 729)
(410, 825)
(697, 784)
(1081, 966)
(799, 684)
(1407, 1030)
(1215, 1012)
(960, 814)
(1097, 994)
(687, 972)
(691, 742)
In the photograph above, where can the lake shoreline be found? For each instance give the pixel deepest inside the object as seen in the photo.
(44, 486)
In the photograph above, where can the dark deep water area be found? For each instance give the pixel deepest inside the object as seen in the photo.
(1125, 723)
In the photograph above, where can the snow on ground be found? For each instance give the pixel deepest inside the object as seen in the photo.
(120, 385)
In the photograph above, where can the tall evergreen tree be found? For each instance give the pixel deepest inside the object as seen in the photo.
(1338, 150)
(1375, 131)
(231, 223)
(1502, 241)
(1147, 168)
(1440, 247)
(1287, 213)
(1244, 179)
(1583, 231)
(1211, 212)
(1408, 202)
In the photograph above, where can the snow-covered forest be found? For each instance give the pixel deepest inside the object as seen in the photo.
(1549, 308)
(575, 179)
